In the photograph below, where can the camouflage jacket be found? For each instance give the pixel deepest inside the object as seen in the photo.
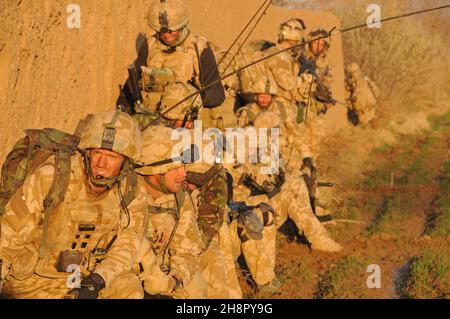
(280, 68)
(323, 68)
(81, 223)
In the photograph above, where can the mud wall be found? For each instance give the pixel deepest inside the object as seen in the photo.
(51, 75)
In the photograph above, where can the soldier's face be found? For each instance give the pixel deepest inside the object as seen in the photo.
(318, 47)
(176, 179)
(170, 37)
(263, 100)
(105, 163)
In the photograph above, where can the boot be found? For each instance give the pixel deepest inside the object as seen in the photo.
(273, 287)
(325, 243)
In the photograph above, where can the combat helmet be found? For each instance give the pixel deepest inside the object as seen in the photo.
(175, 93)
(320, 33)
(265, 85)
(115, 131)
(161, 153)
(292, 29)
(168, 15)
(157, 146)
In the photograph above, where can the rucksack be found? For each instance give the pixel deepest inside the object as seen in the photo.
(28, 154)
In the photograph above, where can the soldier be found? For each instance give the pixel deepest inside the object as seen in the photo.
(288, 195)
(171, 224)
(280, 67)
(264, 93)
(209, 178)
(362, 94)
(174, 55)
(316, 63)
(318, 53)
(90, 232)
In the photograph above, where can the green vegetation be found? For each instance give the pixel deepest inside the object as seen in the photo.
(429, 276)
(406, 173)
(441, 221)
(346, 278)
(294, 275)
(394, 211)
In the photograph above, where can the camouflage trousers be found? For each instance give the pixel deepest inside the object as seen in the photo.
(314, 128)
(291, 202)
(259, 254)
(218, 270)
(126, 286)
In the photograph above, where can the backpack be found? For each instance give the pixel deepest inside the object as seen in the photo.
(28, 154)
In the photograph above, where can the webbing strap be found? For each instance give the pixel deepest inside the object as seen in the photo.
(56, 194)
(165, 264)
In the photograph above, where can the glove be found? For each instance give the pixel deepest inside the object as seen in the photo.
(177, 283)
(175, 288)
(309, 163)
(90, 287)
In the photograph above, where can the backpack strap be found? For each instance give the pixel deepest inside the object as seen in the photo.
(165, 264)
(248, 112)
(282, 110)
(55, 196)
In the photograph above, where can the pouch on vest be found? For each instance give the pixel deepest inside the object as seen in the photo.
(67, 258)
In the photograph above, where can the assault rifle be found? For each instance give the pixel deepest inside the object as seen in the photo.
(323, 93)
(134, 87)
(270, 189)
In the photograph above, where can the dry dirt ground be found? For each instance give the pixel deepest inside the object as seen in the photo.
(388, 189)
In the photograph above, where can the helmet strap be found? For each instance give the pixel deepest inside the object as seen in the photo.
(162, 185)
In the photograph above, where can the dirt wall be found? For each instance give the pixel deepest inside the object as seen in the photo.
(51, 75)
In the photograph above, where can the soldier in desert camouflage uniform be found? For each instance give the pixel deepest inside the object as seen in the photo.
(217, 263)
(362, 93)
(280, 68)
(265, 92)
(287, 193)
(316, 64)
(174, 55)
(171, 226)
(291, 87)
(91, 229)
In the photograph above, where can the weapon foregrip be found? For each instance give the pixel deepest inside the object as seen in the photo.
(134, 82)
